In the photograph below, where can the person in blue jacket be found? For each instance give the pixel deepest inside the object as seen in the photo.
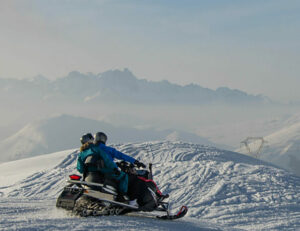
(93, 162)
(135, 183)
(100, 139)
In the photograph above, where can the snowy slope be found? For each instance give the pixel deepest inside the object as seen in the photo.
(251, 123)
(221, 188)
(14, 171)
(282, 147)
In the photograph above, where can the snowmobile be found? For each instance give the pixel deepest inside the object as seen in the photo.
(97, 199)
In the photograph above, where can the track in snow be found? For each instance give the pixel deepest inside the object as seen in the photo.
(220, 187)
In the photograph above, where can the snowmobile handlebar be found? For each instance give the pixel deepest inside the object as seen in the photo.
(130, 169)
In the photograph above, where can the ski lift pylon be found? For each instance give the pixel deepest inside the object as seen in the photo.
(253, 145)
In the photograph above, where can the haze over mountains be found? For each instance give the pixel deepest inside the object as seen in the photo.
(60, 132)
(121, 86)
(118, 97)
(43, 116)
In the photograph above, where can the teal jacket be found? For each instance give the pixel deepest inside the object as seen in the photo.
(91, 149)
(109, 166)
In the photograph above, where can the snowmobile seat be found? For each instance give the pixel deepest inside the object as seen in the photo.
(97, 177)
(96, 163)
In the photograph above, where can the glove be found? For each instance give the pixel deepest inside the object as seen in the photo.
(139, 164)
(117, 171)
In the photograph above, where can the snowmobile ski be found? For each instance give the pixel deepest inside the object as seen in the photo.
(182, 212)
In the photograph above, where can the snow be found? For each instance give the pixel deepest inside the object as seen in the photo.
(28, 166)
(224, 191)
(281, 147)
(41, 215)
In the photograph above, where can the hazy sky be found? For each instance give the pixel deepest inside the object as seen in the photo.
(250, 45)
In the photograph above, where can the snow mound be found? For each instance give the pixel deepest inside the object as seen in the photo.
(222, 187)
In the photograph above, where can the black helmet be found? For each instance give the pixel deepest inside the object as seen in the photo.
(100, 137)
(88, 137)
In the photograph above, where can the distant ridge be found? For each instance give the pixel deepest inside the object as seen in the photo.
(122, 86)
(62, 132)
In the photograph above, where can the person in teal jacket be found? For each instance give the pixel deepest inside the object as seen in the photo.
(92, 159)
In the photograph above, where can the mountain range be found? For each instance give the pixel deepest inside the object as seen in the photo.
(135, 110)
(120, 86)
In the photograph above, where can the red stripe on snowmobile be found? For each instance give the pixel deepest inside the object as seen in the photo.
(183, 208)
(149, 180)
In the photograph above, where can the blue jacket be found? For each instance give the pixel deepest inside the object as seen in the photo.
(113, 153)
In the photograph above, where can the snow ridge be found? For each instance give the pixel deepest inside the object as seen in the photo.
(222, 187)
